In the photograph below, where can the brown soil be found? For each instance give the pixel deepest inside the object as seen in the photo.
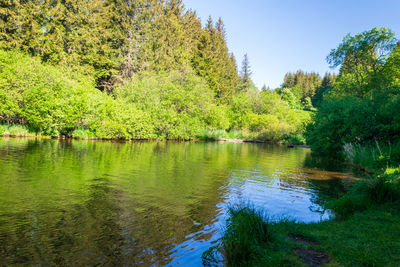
(311, 257)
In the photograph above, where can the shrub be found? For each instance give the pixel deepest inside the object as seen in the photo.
(179, 104)
(377, 190)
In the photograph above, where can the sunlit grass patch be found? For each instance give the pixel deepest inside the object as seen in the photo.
(15, 130)
(83, 134)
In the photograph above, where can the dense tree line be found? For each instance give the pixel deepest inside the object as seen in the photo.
(159, 71)
(115, 39)
(305, 90)
(363, 105)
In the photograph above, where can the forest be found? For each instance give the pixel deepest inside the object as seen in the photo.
(138, 70)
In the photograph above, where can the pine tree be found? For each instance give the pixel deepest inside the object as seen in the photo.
(111, 40)
(264, 88)
(213, 61)
(246, 73)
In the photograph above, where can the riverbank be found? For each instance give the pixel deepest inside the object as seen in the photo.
(367, 238)
(364, 232)
(20, 131)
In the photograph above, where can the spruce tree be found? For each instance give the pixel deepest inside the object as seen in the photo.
(246, 73)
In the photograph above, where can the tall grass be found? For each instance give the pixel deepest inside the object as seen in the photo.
(214, 135)
(375, 157)
(381, 160)
(245, 238)
(15, 130)
(236, 134)
(83, 134)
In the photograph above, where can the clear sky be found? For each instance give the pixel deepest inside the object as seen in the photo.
(286, 35)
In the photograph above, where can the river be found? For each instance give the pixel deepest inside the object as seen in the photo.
(88, 203)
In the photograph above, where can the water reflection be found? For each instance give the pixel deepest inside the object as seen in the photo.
(144, 203)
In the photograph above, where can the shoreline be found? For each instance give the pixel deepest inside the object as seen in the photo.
(219, 140)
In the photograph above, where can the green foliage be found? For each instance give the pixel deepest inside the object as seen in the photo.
(324, 89)
(362, 105)
(372, 191)
(178, 104)
(82, 134)
(54, 102)
(291, 98)
(295, 139)
(163, 75)
(303, 85)
(212, 61)
(174, 105)
(338, 122)
(212, 135)
(375, 157)
(266, 116)
(358, 239)
(44, 97)
(362, 58)
(246, 237)
(113, 40)
(15, 130)
(354, 120)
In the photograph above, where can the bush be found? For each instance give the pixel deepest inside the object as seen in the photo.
(179, 104)
(355, 120)
(378, 190)
(295, 139)
(54, 101)
(45, 98)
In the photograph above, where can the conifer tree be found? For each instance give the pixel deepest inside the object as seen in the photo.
(246, 73)
(264, 88)
(111, 40)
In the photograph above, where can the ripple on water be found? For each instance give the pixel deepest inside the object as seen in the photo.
(165, 203)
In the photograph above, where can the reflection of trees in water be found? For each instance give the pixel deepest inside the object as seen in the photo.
(326, 190)
(329, 178)
(88, 203)
(149, 204)
(315, 161)
(80, 234)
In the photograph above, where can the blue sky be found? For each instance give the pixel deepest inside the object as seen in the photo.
(286, 35)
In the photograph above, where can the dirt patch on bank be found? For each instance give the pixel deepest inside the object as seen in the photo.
(311, 257)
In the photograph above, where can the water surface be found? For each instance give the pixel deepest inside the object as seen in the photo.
(88, 203)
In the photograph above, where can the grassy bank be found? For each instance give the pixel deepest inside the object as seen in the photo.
(215, 135)
(365, 231)
(13, 130)
(368, 238)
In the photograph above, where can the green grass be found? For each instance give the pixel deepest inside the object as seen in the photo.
(365, 232)
(214, 135)
(250, 239)
(246, 236)
(375, 157)
(235, 134)
(15, 130)
(83, 134)
(368, 238)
